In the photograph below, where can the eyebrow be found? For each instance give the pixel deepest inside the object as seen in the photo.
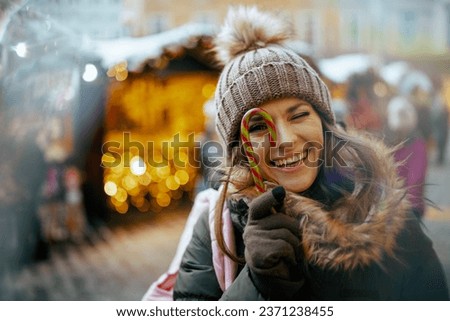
(296, 106)
(256, 118)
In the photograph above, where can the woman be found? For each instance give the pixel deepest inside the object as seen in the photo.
(410, 150)
(333, 224)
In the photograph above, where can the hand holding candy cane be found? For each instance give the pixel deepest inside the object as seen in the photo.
(248, 148)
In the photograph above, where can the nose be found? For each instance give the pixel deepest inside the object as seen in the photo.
(285, 135)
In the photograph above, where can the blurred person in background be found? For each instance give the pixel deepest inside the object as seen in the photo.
(340, 111)
(421, 101)
(410, 150)
(362, 113)
(439, 119)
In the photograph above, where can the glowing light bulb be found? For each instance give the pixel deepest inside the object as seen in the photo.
(163, 199)
(90, 73)
(163, 172)
(121, 195)
(137, 166)
(21, 49)
(122, 208)
(172, 183)
(145, 179)
(110, 188)
(181, 177)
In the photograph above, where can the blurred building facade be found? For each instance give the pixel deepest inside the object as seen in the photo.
(398, 28)
(94, 19)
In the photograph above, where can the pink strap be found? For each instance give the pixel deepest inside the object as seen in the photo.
(161, 290)
(224, 267)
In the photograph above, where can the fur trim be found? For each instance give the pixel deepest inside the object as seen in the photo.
(331, 240)
(247, 28)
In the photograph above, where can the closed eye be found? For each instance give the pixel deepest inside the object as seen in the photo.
(300, 115)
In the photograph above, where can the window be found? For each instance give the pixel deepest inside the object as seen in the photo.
(351, 29)
(408, 27)
(308, 26)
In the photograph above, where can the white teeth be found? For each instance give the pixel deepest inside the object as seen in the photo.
(288, 161)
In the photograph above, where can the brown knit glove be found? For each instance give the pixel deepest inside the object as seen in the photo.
(272, 247)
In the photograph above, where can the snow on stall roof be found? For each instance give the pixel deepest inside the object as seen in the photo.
(137, 50)
(340, 68)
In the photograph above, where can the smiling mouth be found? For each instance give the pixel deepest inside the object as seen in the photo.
(289, 161)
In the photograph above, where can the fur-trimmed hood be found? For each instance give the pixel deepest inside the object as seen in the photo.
(333, 240)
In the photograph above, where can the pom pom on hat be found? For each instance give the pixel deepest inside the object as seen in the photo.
(246, 29)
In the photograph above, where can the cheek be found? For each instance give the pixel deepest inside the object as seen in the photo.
(317, 143)
(315, 134)
(314, 143)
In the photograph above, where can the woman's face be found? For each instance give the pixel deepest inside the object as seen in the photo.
(295, 159)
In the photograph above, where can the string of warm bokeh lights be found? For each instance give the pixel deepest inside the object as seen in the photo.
(153, 110)
(148, 188)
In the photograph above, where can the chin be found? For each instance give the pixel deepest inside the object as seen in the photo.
(295, 188)
(296, 182)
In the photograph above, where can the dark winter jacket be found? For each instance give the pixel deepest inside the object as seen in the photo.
(383, 256)
(415, 273)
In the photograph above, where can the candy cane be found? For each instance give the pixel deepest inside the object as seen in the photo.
(248, 148)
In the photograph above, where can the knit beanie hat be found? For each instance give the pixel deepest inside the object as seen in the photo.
(258, 67)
